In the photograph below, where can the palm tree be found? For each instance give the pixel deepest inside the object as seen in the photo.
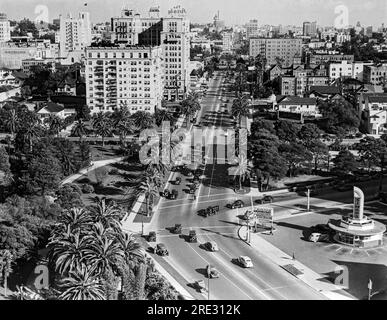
(6, 260)
(79, 129)
(54, 123)
(131, 248)
(143, 120)
(102, 125)
(82, 285)
(242, 170)
(11, 121)
(67, 250)
(155, 176)
(76, 219)
(240, 107)
(108, 214)
(190, 106)
(163, 115)
(149, 190)
(103, 252)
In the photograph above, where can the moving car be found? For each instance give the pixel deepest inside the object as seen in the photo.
(236, 204)
(210, 211)
(211, 246)
(161, 249)
(245, 262)
(212, 272)
(265, 199)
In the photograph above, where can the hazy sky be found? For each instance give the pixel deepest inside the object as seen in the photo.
(368, 12)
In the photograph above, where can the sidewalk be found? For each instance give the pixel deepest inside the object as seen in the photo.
(96, 164)
(283, 260)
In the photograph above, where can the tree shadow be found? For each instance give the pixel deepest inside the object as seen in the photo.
(202, 271)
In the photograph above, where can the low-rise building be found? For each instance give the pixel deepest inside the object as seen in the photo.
(294, 104)
(374, 109)
(375, 74)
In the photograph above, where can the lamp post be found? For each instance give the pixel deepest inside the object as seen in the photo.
(208, 281)
(308, 201)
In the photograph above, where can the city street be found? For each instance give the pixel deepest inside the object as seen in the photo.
(266, 280)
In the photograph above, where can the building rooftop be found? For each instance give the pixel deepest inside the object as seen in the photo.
(325, 89)
(52, 107)
(291, 100)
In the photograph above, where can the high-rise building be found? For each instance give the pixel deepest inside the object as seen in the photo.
(171, 32)
(310, 29)
(75, 34)
(130, 76)
(271, 48)
(5, 29)
(252, 28)
(369, 32)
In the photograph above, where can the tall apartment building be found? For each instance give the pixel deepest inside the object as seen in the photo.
(271, 48)
(5, 29)
(310, 29)
(171, 32)
(176, 53)
(129, 76)
(75, 34)
(252, 28)
(228, 41)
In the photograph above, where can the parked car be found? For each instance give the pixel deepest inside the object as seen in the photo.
(210, 211)
(152, 236)
(211, 246)
(212, 272)
(245, 262)
(192, 237)
(321, 228)
(177, 181)
(177, 229)
(265, 199)
(161, 249)
(236, 204)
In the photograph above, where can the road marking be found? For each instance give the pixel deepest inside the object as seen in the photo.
(232, 282)
(339, 249)
(367, 252)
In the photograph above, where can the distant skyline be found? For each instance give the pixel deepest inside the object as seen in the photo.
(274, 12)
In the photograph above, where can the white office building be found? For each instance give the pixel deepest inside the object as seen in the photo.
(5, 29)
(75, 34)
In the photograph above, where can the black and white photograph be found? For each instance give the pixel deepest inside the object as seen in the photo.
(193, 155)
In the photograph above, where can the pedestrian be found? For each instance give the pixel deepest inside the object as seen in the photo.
(294, 257)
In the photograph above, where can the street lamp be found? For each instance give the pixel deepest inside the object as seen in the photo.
(208, 285)
(308, 201)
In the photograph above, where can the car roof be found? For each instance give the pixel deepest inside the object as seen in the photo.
(161, 244)
(245, 257)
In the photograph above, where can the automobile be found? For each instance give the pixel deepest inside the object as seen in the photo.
(199, 285)
(236, 204)
(173, 195)
(245, 262)
(318, 237)
(161, 249)
(212, 272)
(177, 181)
(265, 199)
(192, 189)
(152, 236)
(211, 246)
(177, 229)
(210, 211)
(196, 179)
(192, 237)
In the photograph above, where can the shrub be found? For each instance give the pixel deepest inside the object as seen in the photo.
(87, 188)
(100, 175)
(114, 171)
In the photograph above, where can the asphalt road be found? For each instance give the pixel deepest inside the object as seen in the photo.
(189, 260)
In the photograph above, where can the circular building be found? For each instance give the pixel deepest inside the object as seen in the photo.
(358, 230)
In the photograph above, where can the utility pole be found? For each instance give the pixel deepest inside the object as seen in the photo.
(381, 173)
